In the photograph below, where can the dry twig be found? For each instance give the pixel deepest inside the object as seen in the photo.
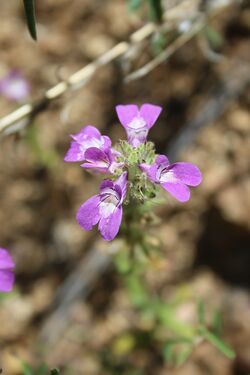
(186, 9)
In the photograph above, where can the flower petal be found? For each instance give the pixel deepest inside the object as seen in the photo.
(187, 173)
(122, 183)
(94, 154)
(6, 261)
(87, 131)
(126, 113)
(107, 141)
(150, 113)
(74, 153)
(178, 190)
(106, 184)
(88, 214)
(162, 159)
(109, 226)
(7, 279)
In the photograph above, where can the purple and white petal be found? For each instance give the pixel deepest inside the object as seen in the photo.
(145, 167)
(162, 159)
(150, 113)
(106, 184)
(109, 226)
(97, 159)
(178, 190)
(122, 183)
(187, 173)
(7, 279)
(88, 214)
(127, 113)
(94, 154)
(106, 141)
(88, 131)
(151, 171)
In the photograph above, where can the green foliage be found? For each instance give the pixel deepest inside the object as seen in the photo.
(217, 342)
(158, 42)
(154, 6)
(134, 5)
(201, 312)
(155, 10)
(213, 335)
(214, 38)
(40, 370)
(29, 8)
(177, 351)
(46, 157)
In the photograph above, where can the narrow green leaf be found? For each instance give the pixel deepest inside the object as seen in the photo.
(29, 8)
(184, 354)
(214, 37)
(155, 10)
(177, 351)
(218, 343)
(201, 312)
(217, 323)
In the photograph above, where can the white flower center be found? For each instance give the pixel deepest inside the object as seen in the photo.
(109, 201)
(163, 174)
(92, 142)
(137, 123)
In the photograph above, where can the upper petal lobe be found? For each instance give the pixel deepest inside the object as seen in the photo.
(150, 113)
(126, 113)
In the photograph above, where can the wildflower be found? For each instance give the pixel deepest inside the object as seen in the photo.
(14, 86)
(88, 137)
(174, 178)
(137, 122)
(103, 161)
(105, 208)
(6, 271)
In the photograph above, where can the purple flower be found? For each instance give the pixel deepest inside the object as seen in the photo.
(137, 122)
(88, 137)
(6, 271)
(105, 208)
(103, 161)
(173, 177)
(14, 86)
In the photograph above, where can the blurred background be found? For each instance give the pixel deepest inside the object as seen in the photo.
(69, 308)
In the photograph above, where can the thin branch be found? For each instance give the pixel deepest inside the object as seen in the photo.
(169, 51)
(186, 9)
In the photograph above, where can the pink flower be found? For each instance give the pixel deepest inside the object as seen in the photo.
(14, 86)
(137, 122)
(174, 178)
(103, 161)
(88, 137)
(105, 208)
(6, 271)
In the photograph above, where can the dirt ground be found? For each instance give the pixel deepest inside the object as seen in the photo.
(206, 242)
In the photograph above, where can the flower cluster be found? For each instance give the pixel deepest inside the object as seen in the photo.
(6, 271)
(134, 168)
